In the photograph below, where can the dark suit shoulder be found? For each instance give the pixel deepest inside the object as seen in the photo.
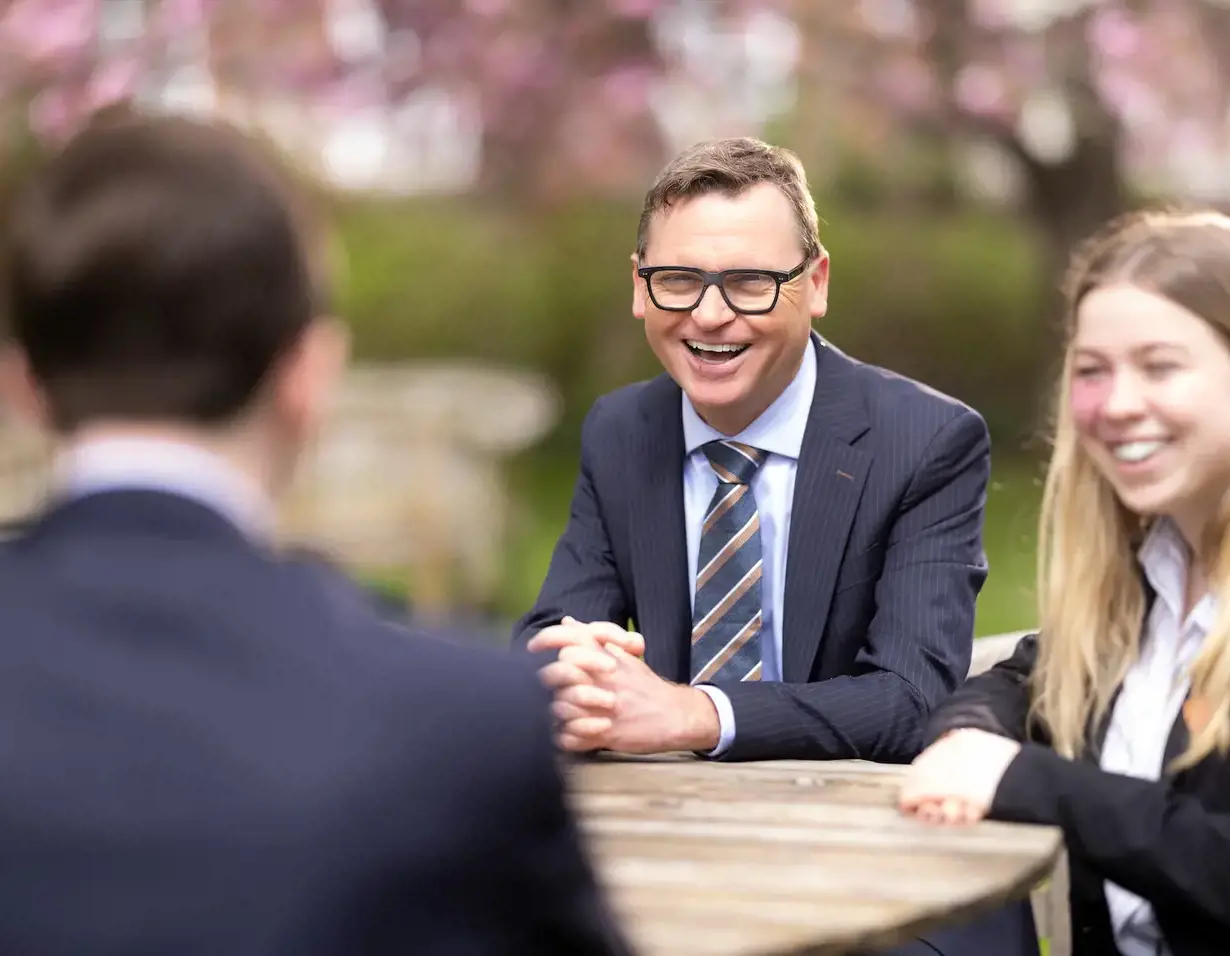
(624, 406)
(890, 394)
(489, 692)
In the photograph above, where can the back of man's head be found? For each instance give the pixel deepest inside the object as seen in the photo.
(156, 269)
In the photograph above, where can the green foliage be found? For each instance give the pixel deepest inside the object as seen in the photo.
(951, 300)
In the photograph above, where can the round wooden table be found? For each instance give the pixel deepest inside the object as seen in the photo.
(787, 856)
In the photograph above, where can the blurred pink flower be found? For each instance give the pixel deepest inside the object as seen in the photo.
(641, 9)
(909, 84)
(513, 58)
(173, 18)
(1025, 62)
(40, 31)
(488, 8)
(1113, 33)
(979, 89)
(992, 14)
(113, 82)
(54, 113)
(626, 90)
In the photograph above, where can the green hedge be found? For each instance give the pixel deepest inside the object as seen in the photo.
(955, 301)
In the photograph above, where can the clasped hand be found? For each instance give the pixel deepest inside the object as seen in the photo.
(955, 779)
(607, 698)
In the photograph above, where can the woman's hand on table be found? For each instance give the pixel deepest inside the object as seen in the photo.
(954, 780)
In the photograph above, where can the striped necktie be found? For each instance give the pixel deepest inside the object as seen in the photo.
(726, 617)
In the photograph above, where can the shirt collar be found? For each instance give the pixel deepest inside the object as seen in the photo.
(174, 467)
(1165, 557)
(780, 427)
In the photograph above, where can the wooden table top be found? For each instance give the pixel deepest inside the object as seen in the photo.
(785, 857)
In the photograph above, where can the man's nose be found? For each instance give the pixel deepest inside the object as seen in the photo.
(712, 311)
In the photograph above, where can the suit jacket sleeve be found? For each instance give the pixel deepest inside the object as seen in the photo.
(1164, 846)
(918, 647)
(582, 580)
(564, 905)
(996, 701)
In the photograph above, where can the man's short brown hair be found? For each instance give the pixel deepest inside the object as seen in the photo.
(156, 268)
(730, 167)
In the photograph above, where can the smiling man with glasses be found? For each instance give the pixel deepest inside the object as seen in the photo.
(774, 550)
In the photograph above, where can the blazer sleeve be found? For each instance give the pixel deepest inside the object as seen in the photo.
(563, 904)
(1164, 846)
(917, 649)
(1161, 845)
(996, 701)
(582, 580)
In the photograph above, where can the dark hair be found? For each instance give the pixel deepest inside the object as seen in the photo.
(156, 268)
(730, 167)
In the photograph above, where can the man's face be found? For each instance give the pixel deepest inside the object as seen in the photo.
(731, 365)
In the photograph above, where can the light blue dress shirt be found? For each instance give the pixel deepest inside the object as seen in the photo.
(778, 431)
(159, 464)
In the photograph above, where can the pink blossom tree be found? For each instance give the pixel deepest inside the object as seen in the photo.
(1092, 101)
(561, 87)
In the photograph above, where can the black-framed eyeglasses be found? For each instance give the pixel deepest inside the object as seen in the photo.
(746, 291)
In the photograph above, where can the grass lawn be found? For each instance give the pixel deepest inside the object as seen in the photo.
(542, 487)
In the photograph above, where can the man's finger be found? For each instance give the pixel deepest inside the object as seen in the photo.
(631, 644)
(585, 733)
(588, 697)
(563, 711)
(614, 636)
(573, 744)
(593, 658)
(560, 674)
(559, 636)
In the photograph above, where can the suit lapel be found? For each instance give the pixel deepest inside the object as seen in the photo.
(829, 482)
(659, 543)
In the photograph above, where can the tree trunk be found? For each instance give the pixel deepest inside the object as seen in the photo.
(1066, 202)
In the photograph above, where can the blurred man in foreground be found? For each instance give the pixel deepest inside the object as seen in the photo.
(208, 748)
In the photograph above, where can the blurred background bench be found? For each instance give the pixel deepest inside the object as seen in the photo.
(406, 482)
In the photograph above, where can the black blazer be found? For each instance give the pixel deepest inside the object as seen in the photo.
(1166, 841)
(884, 558)
(206, 749)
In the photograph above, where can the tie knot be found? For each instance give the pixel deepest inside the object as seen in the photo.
(732, 461)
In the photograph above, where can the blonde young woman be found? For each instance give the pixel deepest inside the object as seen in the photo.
(1113, 722)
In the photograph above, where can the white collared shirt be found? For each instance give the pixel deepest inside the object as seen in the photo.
(778, 431)
(158, 464)
(1149, 704)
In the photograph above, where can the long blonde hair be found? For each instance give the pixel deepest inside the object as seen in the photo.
(1091, 600)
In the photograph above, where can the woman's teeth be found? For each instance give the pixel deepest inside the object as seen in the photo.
(1134, 452)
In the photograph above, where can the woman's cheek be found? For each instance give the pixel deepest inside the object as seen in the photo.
(1087, 398)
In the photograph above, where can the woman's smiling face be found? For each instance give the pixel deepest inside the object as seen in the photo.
(1150, 398)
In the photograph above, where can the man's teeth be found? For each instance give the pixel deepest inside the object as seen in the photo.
(715, 349)
(1137, 451)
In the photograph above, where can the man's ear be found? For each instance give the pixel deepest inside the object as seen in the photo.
(818, 286)
(309, 373)
(639, 297)
(20, 393)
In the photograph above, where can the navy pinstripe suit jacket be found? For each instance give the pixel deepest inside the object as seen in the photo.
(883, 566)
